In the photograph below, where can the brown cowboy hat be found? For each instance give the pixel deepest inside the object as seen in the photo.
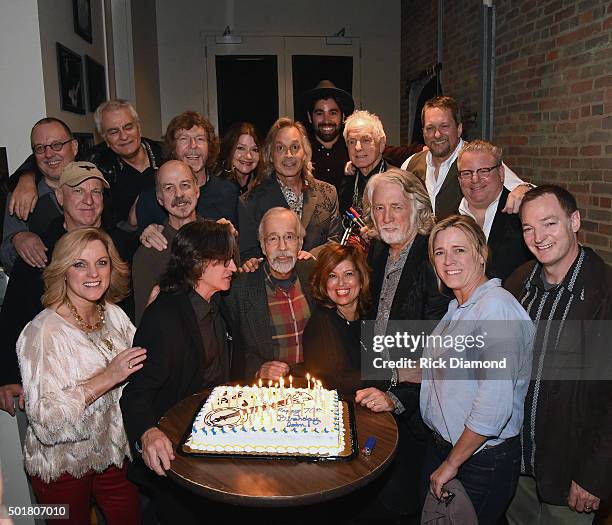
(327, 89)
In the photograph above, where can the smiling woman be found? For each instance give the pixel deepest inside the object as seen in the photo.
(475, 415)
(75, 444)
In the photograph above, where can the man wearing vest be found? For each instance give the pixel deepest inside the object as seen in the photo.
(437, 168)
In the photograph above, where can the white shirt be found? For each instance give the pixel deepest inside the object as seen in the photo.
(464, 209)
(511, 179)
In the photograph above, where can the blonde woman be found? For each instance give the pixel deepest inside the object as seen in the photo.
(74, 357)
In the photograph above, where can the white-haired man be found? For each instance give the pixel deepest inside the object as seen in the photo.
(126, 159)
(366, 140)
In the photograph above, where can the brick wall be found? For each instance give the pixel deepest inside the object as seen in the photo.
(553, 90)
(553, 102)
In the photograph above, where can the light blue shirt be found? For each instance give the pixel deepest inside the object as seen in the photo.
(488, 401)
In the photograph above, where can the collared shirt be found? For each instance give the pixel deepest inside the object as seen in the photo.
(289, 313)
(393, 273)
(464, 209)
(329, 163)
(433, 184)
(544, 303)
(212, 330)
(489, 403)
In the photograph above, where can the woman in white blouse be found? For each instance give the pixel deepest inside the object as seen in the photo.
(74, 358)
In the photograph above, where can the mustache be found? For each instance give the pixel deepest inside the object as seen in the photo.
(177, 201)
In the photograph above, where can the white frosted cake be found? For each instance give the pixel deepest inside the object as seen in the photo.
(269, 421)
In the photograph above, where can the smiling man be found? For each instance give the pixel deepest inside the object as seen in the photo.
(481, 178)
(54, 148)
(567, 430)
(288, 182)
(327, 107)
(268, 309)
(80, 192)
(437, 168)
(190, 138)
(365, 138)
(177, 192)
(404, 288)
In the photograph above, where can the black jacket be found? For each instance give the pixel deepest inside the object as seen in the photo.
(173, 369)
(507, 247)
(417, 298)
(574, 418)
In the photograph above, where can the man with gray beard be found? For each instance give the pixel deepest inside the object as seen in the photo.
(267, 310)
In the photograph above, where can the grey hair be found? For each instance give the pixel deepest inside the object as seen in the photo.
(113, 105)
(481, 146)
(374, 120)
(414, 190)
(301, 231)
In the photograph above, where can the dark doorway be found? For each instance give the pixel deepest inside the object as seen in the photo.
(247, 91)
(309, 70)
(430, 90)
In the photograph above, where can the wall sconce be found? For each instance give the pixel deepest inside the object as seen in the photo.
(228, 38)
(338, 39)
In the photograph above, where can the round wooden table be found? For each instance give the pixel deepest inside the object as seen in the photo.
(279, 483)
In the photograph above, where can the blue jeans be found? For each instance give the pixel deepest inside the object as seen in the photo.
(489, 477)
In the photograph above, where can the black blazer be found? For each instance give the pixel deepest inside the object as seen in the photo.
(506, 244)
(173, 369)
(417, 296)
(245, 308)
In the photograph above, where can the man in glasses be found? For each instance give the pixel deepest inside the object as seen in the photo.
(481, 178)
(437, 167)
(54, 148)
(268, 309)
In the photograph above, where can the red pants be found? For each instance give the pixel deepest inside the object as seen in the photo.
(117, 497)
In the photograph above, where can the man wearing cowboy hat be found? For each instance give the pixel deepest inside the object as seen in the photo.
(327, 107)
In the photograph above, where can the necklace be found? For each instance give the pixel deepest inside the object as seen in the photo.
(81, 322)
(106, 349)
(341, 315)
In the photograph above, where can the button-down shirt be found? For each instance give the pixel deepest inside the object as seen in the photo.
(329, 163)
(212, 330)
(488, 402)
(464, 209)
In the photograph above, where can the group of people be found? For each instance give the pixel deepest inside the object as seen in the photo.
(141, 273)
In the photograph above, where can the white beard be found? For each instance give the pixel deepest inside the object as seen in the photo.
(283, 267)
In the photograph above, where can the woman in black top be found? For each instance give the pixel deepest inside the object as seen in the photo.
(340, 283)
(239, 156)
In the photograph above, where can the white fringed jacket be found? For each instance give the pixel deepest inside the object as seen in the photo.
(65, 435)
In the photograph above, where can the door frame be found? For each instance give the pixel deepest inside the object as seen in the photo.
(284, 47)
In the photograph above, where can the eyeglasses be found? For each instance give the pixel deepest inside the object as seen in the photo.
(40, 149)
(366, 141)
(483, 173)
(274, 239)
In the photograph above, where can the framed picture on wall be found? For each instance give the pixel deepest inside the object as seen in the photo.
(85, 140)
(70, 69)
(82, 19)
(96, 83)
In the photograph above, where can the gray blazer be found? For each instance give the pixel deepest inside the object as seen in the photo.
(245, 308)
(320, 215)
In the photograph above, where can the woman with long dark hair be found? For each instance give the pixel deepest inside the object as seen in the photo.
(239, 157)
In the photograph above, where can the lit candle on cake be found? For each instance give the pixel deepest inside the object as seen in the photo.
(282, 383)
(308, 378)
(290, 384)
